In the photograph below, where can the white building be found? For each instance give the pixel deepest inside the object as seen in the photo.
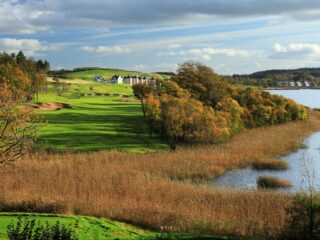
(117, 79)
(138, 80)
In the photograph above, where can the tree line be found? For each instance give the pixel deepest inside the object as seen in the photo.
(25, 74)
(198, 106)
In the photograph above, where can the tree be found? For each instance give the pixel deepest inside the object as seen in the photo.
(202, 83)
(60, 87)
(18, 125)
(304, 213)
(183, 119)
(141, 91)
(21, 58)
(12, 75)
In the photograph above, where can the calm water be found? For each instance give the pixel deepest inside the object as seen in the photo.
(308, 156)
(307, 97)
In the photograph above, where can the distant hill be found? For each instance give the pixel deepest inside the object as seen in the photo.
(88, 73)
(271, 78)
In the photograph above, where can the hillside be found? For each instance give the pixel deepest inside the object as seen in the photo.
(271, 78)
(90, 72)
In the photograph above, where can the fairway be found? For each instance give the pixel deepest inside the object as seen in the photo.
(102, 116)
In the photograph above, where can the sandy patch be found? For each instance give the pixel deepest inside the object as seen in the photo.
(51, 106)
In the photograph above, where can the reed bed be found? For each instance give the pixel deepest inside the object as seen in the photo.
(273, 182)
(271, 164)
(158, 190)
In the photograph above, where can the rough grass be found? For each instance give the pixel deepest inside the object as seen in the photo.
(270, 165)
(96, 122)
(273, 182)
(157, 189)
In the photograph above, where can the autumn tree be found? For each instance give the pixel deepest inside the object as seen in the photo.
(199, 106)
(24, 73)
(202, 82)
(18, 125)
(11, 74)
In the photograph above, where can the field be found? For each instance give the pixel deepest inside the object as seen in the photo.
(95, 122)
(106, 73)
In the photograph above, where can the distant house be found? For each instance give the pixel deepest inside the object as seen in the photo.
(98, 78)
(117, 79)
(299, 84)
(307, 83)
(292, 84)
(136, 80)
(280, 84)
(286, 84)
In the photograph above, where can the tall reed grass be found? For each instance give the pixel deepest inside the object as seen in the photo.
(159, 190)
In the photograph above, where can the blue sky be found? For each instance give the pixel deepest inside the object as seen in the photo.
(149, 35)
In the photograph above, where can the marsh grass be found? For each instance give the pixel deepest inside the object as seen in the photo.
(157, 190)
(270, 165)
(273, 182)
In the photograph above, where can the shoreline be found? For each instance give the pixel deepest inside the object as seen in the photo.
(291, 88)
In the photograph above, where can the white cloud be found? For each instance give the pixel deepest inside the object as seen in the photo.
(207, 53)
(29, 16)
(31, 47)
(175, 45)
(301, 50)
(106, 49)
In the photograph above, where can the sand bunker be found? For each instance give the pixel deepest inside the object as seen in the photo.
(51, 106)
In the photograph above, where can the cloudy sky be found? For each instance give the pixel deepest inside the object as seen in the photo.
(155, 35)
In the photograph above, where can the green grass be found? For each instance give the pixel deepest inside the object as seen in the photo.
(106, 73)
(90, 228)
(96, 122)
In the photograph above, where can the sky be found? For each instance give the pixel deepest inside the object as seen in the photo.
(232, 37)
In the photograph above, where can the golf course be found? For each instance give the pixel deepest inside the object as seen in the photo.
(98, 116)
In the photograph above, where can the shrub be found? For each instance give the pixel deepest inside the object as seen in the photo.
(26, 229)
(270, 165)
(303, 220)
(38, 206)
(273, 182)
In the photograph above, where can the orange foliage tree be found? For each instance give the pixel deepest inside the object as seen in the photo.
(18, 125)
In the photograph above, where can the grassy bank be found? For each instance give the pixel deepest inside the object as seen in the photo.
(90, 228)
(149, 189)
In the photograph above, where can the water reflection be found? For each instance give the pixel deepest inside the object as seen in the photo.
(246, 178)
(308, 156)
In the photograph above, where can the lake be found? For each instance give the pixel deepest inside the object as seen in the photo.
(309, 156)
(307, 97)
